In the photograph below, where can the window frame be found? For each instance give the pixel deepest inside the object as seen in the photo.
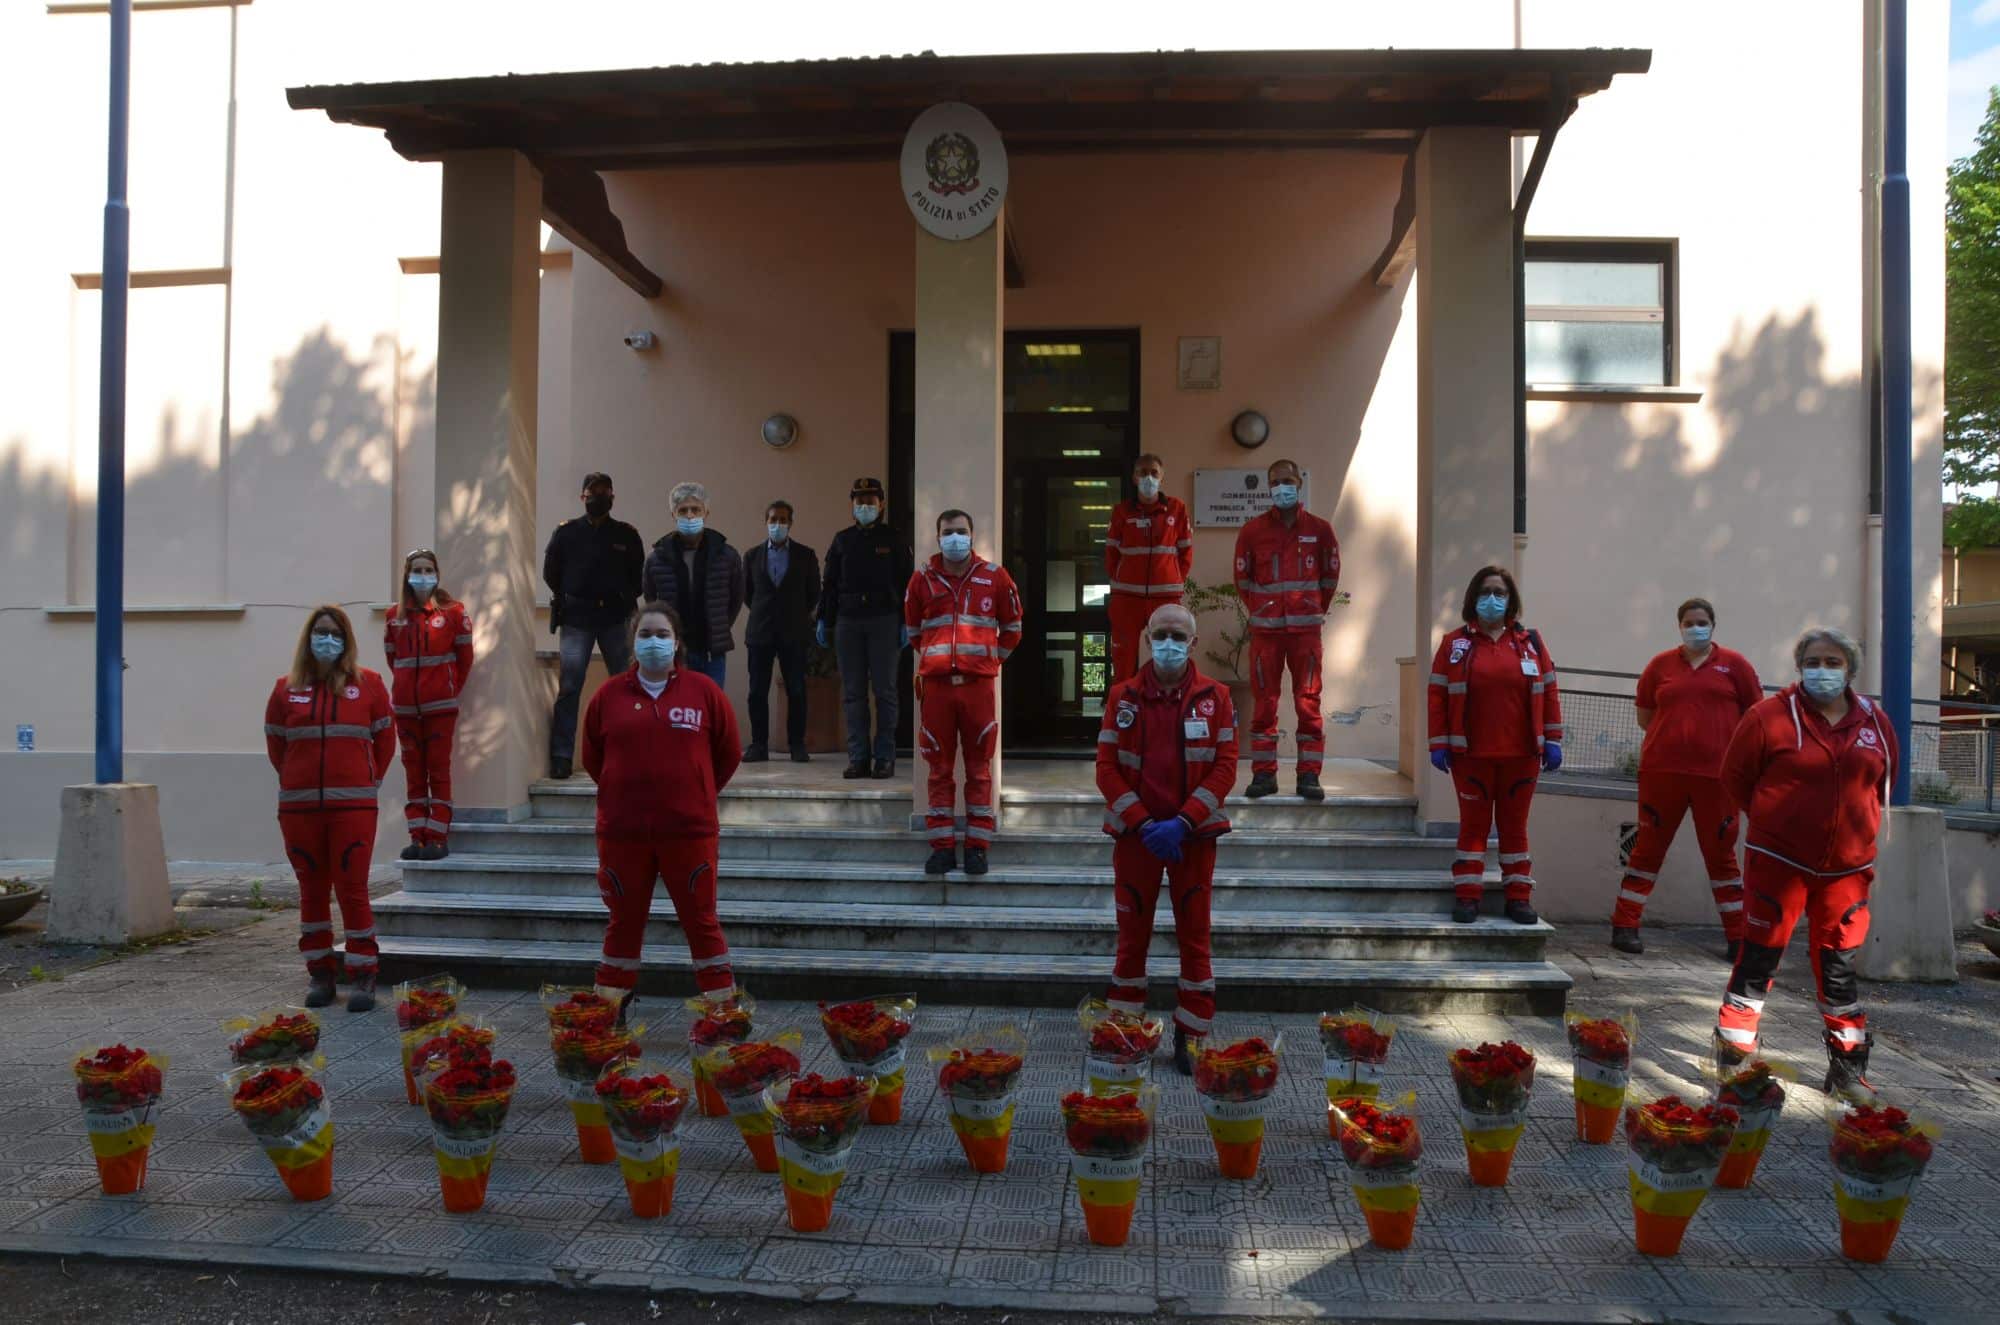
(1663, 252)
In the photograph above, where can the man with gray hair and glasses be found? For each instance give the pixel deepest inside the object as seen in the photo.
(695, 569)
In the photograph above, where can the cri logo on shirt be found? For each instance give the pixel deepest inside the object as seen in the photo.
(687, 719)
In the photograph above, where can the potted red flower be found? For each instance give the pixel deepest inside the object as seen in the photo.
(456, 1035)
(643, 1108)
(422, 1005)
(1357, 1045)
(867, 1037)
(280, 1035)
(119, 1087)
(1676, 1151)
(1119, 1045)
(715, 1021)
(1493, 1082)
(1235, 1080)
(1755, 1088)
(1601, 1058)
(1108, 1136)
(976, 1076)
(585, 1033)
(285, 1110)
(739, 1073)
(817, 1121)
(1382, 1147)
(1878, 1151)
(467, 1092)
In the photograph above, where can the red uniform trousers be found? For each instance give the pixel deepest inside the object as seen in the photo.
(427, 743)
(954, 716)
(1775, 895)
(626, 872)
(1271, 652)
(1663, 799)
(330, 851)
(1136, 874)
(1486, 788)
(1129, 614)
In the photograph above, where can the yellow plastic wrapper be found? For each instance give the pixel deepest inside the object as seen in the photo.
(643, 1106)
(1118, 1046)
(284, 1107)
(740, 1072)
(119, 1088)
(1356, 1044)
(1879, 1150)
(1601, 1058)
(1108, 1137)
(275, 1035)
(816, 1122)
(1383, 1147)
(977, 1075)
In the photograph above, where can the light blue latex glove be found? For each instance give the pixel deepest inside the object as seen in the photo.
(1441, 760)
(1552, 756)
(1163, 838)
(906, 637)
(819, 633)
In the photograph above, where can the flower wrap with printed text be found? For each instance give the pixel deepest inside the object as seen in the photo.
(715, 1021)
(585, 1033)
(1118, 1046)
(1601, 1063)
(467, 1093)
(977, 1074)
(1108, 1136)
(1356, 1043)
(276, 1035)
(1493, 1082)
(284, 1108)
(1756, 1089)
(867, 1036)
(420, 1005)
(739, 1073)
(119, 1088)
(1235, 1080)
(817, 1122)
(1878, 1151)
(1676, 1150)
(643, 1107)
(1382, 1147)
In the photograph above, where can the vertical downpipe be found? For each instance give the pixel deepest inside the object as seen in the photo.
(1898, 644)
(111, 413)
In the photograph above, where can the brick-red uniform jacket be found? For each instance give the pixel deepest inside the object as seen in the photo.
(1209, 758)
(430, 655)
(1814, 793)
(965, 625)
(1287, 576)
(1449, 695)
(1149, 550)
(331, 744)
(659, 763)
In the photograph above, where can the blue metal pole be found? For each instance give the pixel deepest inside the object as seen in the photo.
(1898, 643)
(111, 415)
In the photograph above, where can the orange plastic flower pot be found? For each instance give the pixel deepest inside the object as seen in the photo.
(1489, 1167)
(311, 1182)
(1868, 1242)
(987, 1154)
(807, 1212)
(1332, 1125)
(1596, 1124)
(710, 1099)
(651, 1198)
(1659, 1235)
(410, 1087)
(121, 1175)
(1738, 1168)
(1108, 1225)
(1391, 1230)
(764, 1150)
(463, 1195)
(886, 1107)
(1238, 1159)
(595, 1145)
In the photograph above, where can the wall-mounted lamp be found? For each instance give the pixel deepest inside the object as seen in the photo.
(780, 431)
(1250, 429)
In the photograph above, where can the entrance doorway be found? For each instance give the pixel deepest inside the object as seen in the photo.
(1070, 431)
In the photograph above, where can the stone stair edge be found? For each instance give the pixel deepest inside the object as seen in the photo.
(1248, 876)
(1243, 837)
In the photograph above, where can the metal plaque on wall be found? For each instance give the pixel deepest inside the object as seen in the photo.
(954, 171)
(1229, 498)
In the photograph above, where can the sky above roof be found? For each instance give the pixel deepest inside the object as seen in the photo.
(1975, 68)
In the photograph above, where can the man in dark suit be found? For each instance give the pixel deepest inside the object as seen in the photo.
(781, 588)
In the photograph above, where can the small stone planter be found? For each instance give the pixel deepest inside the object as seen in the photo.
(14, 905)
(1989, 934)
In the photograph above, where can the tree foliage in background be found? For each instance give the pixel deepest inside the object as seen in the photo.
(1972, 335)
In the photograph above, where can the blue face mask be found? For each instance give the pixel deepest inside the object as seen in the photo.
(1697, 637)
(1284, 495)
(1491, 607)
(690, 525)
(655, 652)
(1149, 487)
(1170, 654)
(956, 547)
(327, 648)
(421, 585)
(865, 513)
(778, 532)
(1823, 683)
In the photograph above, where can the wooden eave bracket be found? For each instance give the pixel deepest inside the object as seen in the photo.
(1401, 251)
(576, 207)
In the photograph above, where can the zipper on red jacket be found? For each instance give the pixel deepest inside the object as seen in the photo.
(322, 750)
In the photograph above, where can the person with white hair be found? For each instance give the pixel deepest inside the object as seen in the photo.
(701, 575)
(1811, 766)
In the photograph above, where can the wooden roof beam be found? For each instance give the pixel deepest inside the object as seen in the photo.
(1400, 254)
(576, 207)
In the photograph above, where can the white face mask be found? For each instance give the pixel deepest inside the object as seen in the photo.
(778, 532)
(1149, 486)
(1697, 637)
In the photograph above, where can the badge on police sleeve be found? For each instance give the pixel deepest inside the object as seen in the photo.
(1128, 713)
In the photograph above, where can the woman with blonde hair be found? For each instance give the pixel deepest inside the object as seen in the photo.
(327, 731)
(428, 641)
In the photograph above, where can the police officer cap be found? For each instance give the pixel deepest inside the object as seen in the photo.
(866, 487)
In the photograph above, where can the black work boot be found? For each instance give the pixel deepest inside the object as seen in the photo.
(1309, 787)
(433, 851)
(558, 769)
(361, 991)
(884, 769)
(320, 992)
(1733, 951)
(1464, 911)
(1846, 1069)
(756, 753)
(975, 860)
(799, 755)
(855, 769)
(1185, 1048)
(1261, 785)
(414, 851)
(1625, 938)
(1521, 913)
(943, 861)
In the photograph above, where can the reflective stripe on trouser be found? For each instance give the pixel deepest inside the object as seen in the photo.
(427, 743)
(1489, 789)
(626, 872)
(956, 717)
(1271, 654)
(330, 853)
(1836, 911)
(1136, 874)
(1663, 799)
(1129, 615)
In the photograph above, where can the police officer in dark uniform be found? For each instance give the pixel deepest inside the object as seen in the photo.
(592, 567)
(861, 611)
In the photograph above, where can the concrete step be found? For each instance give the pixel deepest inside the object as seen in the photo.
(1240, 884)
(893, 932)
(1036, 846)
(1036, 980)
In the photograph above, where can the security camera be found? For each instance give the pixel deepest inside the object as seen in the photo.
(641, 340)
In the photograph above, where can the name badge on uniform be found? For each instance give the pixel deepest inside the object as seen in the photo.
(1195, 729)
(1530, 668)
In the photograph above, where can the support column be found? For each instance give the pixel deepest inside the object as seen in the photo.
(961, 293)
(488, 307)
(1465, 388)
